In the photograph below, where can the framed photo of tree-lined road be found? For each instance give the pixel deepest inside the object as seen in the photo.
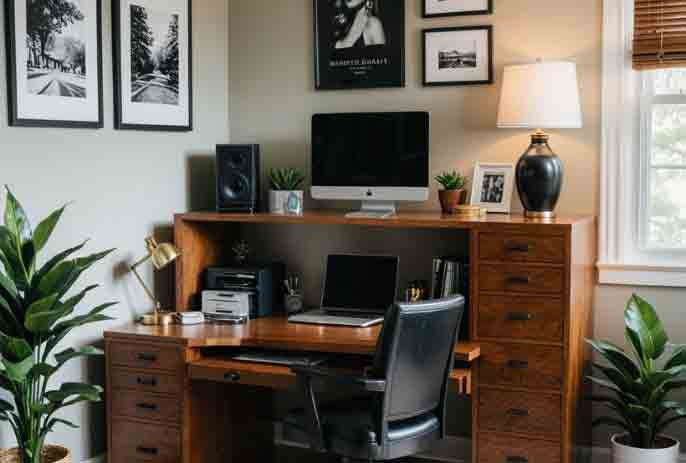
(54, 63)
(152, 65)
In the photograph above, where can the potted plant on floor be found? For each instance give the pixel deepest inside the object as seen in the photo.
(35, 316)
(285, 195)
(453, 189)
(639, 386)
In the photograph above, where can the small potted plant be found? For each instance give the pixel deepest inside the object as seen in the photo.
(285, 195)
(453, 189)
(638, 388)
(37, 313)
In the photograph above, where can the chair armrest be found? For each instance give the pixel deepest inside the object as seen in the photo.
(330, 374)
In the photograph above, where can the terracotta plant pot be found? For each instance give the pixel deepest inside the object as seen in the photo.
(51, 454)
(450, 199)
(621, 453)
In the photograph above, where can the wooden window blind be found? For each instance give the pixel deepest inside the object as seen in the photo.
(659, 34)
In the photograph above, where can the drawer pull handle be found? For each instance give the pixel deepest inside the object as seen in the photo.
(519, 317)
(233, 376)
(147, 382)
(147, 450)
(516, 460)
(518, 280)
(518, 412)
(148, 407)
(146, 357)
(518, 364)
(512, 246)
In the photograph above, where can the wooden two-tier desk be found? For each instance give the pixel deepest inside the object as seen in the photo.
(175, 396)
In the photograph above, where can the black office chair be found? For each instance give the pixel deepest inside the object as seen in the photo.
(403, 410)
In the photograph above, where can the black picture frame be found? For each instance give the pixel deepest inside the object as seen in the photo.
(488, 10)
(119, 123)
(389, 74)
(12, 90)
(491, 75)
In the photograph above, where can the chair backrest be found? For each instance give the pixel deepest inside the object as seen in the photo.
(415, 355)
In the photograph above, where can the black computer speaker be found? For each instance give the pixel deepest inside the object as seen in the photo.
(238, 178)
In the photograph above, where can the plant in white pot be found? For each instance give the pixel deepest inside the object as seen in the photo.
(36, 314)
(639, 385)
(285, 195)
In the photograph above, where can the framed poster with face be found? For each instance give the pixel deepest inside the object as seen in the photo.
(54, 56)
(458, 56)
(359, 44)
(441, 8)
(493, 187)
(152, 65)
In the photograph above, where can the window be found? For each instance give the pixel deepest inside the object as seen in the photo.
(663, 161)
(643, 178)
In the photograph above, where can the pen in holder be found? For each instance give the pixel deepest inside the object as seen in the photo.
(293, 300)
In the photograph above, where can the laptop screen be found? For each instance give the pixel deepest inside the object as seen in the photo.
(360, 283)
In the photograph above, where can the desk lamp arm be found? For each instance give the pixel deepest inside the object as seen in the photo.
(134, 269)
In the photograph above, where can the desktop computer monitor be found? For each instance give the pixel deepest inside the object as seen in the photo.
(376, 158)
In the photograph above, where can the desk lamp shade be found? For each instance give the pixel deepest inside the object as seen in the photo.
(161, 254)
(543, 95)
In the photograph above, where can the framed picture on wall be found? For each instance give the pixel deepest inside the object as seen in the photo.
(54, 56)
(153, 88)
(493, 186)
(441, 8)
(359, 44)
(458, 56)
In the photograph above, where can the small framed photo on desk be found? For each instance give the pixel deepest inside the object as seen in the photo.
(493, 186)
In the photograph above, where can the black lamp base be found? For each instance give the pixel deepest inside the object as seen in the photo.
(539, 178)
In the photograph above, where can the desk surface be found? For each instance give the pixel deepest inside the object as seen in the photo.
(275, 333)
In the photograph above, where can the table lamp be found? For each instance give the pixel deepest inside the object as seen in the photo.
(542, 95)
(161, 256)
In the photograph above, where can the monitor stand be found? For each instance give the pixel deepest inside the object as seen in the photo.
(374, 210)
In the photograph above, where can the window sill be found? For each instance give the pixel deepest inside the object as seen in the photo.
(642, 275)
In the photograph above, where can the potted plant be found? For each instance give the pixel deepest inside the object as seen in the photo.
(36, 314)
(453, 189)
(639, 385)
(285, 195)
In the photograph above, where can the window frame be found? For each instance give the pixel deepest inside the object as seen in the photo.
(627, 122)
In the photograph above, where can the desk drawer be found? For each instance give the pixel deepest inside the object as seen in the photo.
(522, 248)
(133, 441)
(246, 373)
(146, 356)
(521, 278)
(502, 449)
(526, 318)
(146, 406)
(519, 412)
(145, 381)
(519, 365)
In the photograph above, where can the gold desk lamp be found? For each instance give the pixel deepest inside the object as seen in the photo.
(161, 256)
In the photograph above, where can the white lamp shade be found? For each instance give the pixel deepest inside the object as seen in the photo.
(540, 96)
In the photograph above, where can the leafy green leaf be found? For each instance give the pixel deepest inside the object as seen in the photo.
(42, 369)
(60, 279)
(18, 371)
(678, 358)
(57, 259)
(14, 349)
(5, 406)
(642, 320)
(71, 353)
(617, 357)
(85, 391)
(42, 314)
(51, 424)
(44, 229)
(16, 220)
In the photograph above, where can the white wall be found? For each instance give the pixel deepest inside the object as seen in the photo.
(124, 185)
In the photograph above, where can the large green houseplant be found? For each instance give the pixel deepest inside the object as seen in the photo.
(36, 313)
(639, 386)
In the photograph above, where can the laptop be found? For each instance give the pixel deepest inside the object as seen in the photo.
(358, 290)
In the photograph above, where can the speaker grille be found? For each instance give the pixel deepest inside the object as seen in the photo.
(238, 185)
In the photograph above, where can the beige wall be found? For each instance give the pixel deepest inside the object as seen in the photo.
(124, 185)
(272, 99)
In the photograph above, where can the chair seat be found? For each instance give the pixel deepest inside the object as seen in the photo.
(349, 427)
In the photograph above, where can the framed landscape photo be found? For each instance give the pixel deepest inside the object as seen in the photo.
(54, 57)
(359, 44)
(493, 186)
(442, 8)
(458, 56)
(152, 65)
